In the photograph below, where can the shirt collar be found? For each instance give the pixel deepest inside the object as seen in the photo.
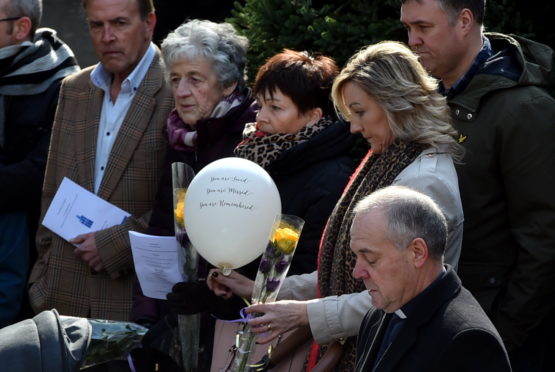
(102, 78)
(483, 55)
(400, 314)
(412, 306)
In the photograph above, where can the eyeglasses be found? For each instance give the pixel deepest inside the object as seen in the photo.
(10, 19)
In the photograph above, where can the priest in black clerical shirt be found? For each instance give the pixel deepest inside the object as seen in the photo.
(422, 319)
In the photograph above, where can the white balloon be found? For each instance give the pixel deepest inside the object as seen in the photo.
(230, 207)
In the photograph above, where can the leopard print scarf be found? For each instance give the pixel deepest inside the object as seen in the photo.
(336, 260)
(263, 148)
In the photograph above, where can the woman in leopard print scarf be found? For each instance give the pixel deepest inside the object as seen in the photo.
(298, 140)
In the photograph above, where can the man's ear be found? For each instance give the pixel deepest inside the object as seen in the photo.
(466, 20)
(22, 29)
(151, 22)
(420, 251)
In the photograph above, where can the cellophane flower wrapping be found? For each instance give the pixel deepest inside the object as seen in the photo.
(112, 340)
(272, 270)
(189, 325)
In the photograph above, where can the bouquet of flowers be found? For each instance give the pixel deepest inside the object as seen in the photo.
(112, 340)
(272, 270)
(189, 325)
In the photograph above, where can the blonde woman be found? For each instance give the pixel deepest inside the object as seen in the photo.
(389, 99)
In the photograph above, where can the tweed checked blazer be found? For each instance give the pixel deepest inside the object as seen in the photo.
(59, 279)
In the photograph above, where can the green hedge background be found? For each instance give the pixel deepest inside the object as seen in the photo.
(339, 28)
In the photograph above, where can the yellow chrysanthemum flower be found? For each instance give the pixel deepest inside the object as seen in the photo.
(286, 239)
(178, 211)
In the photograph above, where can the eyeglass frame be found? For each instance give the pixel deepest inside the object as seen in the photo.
(10, 18)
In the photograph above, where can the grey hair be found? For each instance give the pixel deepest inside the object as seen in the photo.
(217, 42)
(410, 215)
(25, 8)
(391, 74)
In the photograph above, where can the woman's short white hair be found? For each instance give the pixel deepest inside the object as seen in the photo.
(216, 42)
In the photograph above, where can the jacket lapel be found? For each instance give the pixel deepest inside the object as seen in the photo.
(393, 354)
(134, 125)
(86, 158)
(373, 339)
(377, 342)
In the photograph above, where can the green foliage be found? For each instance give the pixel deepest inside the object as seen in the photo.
(333, 28)
(504, 16)
(339, 28)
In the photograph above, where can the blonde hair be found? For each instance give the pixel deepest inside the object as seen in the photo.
(391, 74)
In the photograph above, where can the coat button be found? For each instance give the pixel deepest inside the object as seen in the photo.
(457, 112)
(469, 116)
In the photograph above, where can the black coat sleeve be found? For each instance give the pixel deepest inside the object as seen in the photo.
(28, 124)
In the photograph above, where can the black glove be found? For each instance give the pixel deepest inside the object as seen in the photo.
(191, 298)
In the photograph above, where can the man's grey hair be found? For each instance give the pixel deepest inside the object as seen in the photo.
(25, 8)
(217, 42)
(410, 215)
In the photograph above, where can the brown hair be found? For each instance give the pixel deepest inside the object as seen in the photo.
(305, 79)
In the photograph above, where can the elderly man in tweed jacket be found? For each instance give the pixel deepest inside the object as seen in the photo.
(108, 137)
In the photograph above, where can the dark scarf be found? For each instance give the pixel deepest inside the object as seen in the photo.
(263, 148)
(336, 260)
(31, 67)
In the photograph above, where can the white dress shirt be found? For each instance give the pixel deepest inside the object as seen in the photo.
(113, 113)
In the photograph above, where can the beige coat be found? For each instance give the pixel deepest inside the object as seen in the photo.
(335, 317)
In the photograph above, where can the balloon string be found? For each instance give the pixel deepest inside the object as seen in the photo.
(243, 319)
(130, 362)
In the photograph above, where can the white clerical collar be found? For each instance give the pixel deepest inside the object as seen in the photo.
(400, 314)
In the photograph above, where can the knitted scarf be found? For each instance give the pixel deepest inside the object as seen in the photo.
(183, 137)
(263, 148)
(336, 260)
(30, 68)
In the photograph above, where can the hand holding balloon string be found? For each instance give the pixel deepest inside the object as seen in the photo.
(227, 285)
